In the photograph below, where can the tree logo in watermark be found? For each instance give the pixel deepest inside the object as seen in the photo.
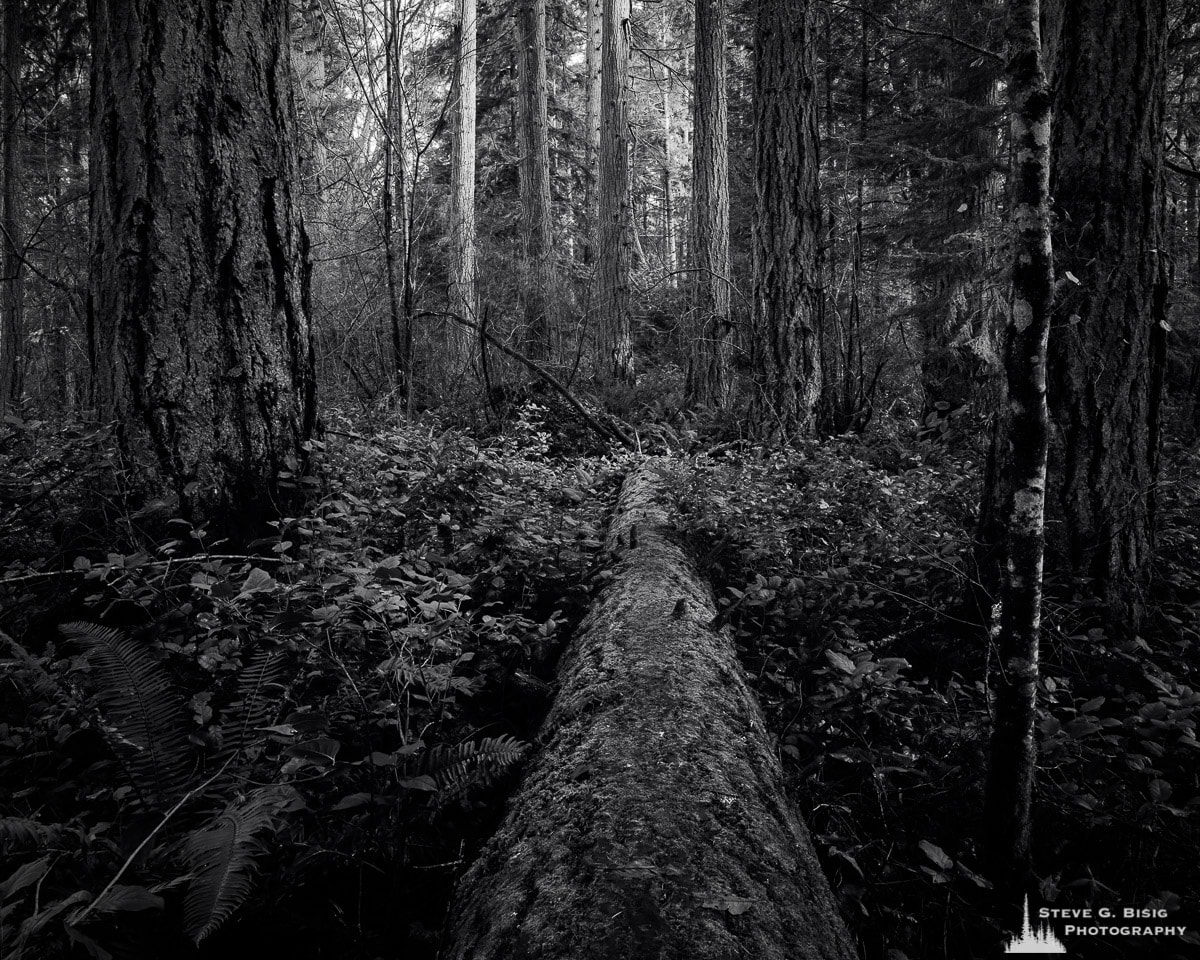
(1040, 939)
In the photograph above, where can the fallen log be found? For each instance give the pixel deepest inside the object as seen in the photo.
(653, 822)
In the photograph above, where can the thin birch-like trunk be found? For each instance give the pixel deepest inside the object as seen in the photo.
(1013, 754)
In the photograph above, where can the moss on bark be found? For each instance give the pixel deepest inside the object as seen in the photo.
(654, 822)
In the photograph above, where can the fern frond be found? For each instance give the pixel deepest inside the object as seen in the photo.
(259, 690)
(20, 834)
(473, 765)
(147, 726)
(221, 858)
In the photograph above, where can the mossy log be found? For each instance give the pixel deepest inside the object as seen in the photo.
(653, 822)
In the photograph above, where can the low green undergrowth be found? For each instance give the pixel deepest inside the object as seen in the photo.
(841, 570)
(293, 743)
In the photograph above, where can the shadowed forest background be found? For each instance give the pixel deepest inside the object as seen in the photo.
(330, 331)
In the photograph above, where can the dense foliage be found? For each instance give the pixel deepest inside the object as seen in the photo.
(298, 746)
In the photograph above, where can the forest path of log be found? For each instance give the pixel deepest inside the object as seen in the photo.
(654, 821)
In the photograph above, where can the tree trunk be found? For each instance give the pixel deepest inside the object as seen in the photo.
(666, 210)
(395, 209)
(199, 295)
(1013, 760)
(12, 304)
(711, 334)
(654, 822)
(787, 298)
(540, 293)
(616, 216)
(309, 60)
(462, 180)
(1108, 346)
(591, 143)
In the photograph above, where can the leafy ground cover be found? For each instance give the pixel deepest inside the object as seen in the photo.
(841, 569)
(296, 743)
(292, 744)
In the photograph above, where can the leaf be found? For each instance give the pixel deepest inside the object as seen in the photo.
(974, 877)
(23, 876)
(320, 750)
(424, 782)
(843, 663)
(1081, 727)
(1160, 791)
(126, 898)
(147, 725)
(221, 856)
(352, 801)
(936, 854)
(257, 581)
(1092, 705)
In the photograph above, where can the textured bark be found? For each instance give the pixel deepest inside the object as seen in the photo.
(711, 334)
(615, 213)
(591, 132)
(462, 177)
(1013, 760)
(12, 285)
(654, 823)
(540, 292)
(395, 211)
(199, 294)
(308, 48)
(787, 221)
(1108, 343)
(666, 209)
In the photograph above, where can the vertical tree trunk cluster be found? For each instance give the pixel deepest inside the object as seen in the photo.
(462, 179)
(1010, 776)
(308, 45)
(615, 213)
(12, 284)
(591, 145)
(708, 381)
(1108, 345)
(397, 254)
(540, 293)
(199, 297)
(667, 245)
(787, 222)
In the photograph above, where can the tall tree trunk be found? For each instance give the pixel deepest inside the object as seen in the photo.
(462, 179)
(666, 210)
(401, 191)
(616, 215)
(787, 299)
(12, 304)
(1108, 347)
(540, 293)
(309, 61)
(1011, 773)
(199, 294)
(395, 226)
(593, 53)
(711, 334)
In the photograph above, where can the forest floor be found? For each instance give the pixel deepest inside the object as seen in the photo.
(346, 701)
